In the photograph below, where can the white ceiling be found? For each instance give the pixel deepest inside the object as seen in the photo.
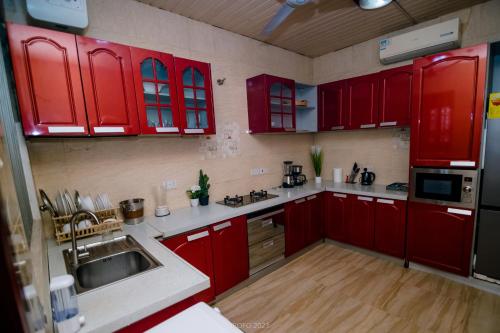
(317, 28)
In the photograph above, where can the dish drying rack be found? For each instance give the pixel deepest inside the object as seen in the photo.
(95, 229)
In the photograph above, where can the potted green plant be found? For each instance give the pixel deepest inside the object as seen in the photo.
(204, 186)
(194, 195)
(317, 160)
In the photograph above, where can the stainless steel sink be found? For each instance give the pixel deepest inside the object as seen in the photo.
(108, 262)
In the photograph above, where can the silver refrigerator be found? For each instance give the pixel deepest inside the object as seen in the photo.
(487, 264)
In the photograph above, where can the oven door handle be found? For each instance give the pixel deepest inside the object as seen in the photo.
(264, 216)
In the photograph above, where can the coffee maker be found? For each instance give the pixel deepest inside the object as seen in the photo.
(299, 178)
(288, 180)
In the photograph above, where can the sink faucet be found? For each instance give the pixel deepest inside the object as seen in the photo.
(74, 219)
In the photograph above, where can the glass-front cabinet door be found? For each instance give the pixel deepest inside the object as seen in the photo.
(195, 96)
(154, 77)
(282, 104)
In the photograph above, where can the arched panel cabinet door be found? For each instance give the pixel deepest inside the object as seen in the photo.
(196, 107)
(155, 88)
(48, 82)
(108, 85)
(447, 108)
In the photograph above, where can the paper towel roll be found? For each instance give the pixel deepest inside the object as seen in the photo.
(337, 175)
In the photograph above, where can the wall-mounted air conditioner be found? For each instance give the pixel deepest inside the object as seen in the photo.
(61, 13)
(413, 44)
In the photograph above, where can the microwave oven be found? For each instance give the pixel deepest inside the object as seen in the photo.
(448, 187)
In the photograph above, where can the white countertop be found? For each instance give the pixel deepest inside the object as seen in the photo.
(119, 304)
(114, 306)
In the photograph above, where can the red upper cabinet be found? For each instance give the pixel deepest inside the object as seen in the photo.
(390, 226)
(447, 108)
(395, 96)
(440, 236)
(196, 248)
(108, 84)
(337, 215)
(361, 223)
(156, 93)
(332, 106)
(48, 82)
(271, 104)
(230, 253)
(362, 102)
(194, 87)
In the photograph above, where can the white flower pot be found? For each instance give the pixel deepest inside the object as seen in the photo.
(317, 180)
(195, 202)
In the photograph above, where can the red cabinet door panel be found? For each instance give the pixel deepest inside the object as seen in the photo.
(108, 84)
(196, 248)
(156, 93)
(447, 107)
(48, 82)
(395, 96)
(337, 215)
(230, 253)
(296, 221)
(440, 237)
(362, 101)
(361, 223)
(194, 88)
(390, 226)
(314, 230)
(332, 106)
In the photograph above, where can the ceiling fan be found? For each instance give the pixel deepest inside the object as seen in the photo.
(290, 5)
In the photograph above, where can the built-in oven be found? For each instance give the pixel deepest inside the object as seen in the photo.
(444, 186)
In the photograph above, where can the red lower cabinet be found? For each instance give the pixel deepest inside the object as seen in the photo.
(440, 237)
(337, 214)
(390, 225)
(158, 317)
(196, 248)
(295, 225)
(361, 223)
(230, 253)
(314, 228)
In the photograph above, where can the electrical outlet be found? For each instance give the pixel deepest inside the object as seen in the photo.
(169, 184)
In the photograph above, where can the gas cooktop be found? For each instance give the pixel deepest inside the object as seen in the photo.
(243, 200)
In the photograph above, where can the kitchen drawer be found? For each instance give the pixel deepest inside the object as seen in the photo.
(260, 230)
(266, 250)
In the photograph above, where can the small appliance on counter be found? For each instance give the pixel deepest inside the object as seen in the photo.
(288, 181)
(299, 178)
(367, 177)
(161, 211)
(133, 210)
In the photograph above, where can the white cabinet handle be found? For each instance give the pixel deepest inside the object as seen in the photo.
(267, 222)
(385, 201)
(312, 197)
(388, 123)
(194, 130)
(268, 244)
(222, 226)
(367, 126)
(199, 235)
(334, 128)
(109, 129)
(66, 129)
(340, 195)
(365, 198)
(167, 130)
(460, 211)
(463, 163)
(300, 201)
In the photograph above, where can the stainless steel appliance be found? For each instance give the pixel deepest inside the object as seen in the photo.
(266, 237)
(444, 186)
(299, 178)
(487, 260)
(288, 179)
(243, 200)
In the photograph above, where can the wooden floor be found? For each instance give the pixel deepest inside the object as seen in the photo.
(331, 289)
